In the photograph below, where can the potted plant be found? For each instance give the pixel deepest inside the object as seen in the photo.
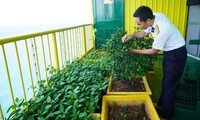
(128, 107)
(126, 66)
(136, 86)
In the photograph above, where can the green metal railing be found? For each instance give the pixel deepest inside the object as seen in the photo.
(42, 49)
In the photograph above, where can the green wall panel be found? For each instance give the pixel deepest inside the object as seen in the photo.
(107, 18)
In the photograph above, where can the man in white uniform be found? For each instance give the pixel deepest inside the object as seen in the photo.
(168, 39)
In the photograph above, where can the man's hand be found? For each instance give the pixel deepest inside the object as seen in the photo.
(126, 37)
(144, 51)
(132, 50)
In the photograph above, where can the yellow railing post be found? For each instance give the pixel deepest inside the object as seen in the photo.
(93, 36)
(8, 76)
(49, 51)
(84, 40)
(1, 113)
(36, 60)
(44, 58)
(29, 67)
(20, 71)
(67, 44)
(55, 52)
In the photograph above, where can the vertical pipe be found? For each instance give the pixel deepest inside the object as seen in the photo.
(44, 58)
(67, 45)
(71, 45)
(49, 51)
(84, 40)
(29, 67)
(77, 43)
(8, 76)
(20, 70)
(178, 15)
(92, 36)
(37, 62)
(92, 18)
(1, 113)
(81, 41)
(61, 53)
(55, 52)
(64, 45)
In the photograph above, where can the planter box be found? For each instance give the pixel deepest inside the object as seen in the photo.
(147, 88)
(97, 115)
(129, 100)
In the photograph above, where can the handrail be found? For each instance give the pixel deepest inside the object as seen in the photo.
(32, 53)
(16, 38)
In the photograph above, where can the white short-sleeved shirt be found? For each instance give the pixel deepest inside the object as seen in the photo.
(166, 35)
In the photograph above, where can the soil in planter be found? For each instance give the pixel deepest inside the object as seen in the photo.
(127, 112)
(134, 85)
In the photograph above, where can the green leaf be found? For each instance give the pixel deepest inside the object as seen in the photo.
(10, 108)
(47, 107)
(68, 108)
(48, 99)
(30, 118)
(57, 112)
(81, 115)
(61, 107)
(81, 100)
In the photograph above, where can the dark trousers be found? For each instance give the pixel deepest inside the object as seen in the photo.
(173, 66)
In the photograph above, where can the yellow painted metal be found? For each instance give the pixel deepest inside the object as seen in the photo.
(67, 44)
(36, 58)
(29, 67)
(91, 9)
(79, 47)
(49, 51)
(97, 115)
(51, 37)
(75, 43)
(93, 34)
(129, 100)
(18, 38)
(61, 52)
(72, 44)
(64, 45)
(8, 76)
(20, 70)
(78, 42)
(147, 88)
(1, 113)
(44, 58)
(93, 39)
(168, 7)
(84, 40)
(55, 52)
(92, 27)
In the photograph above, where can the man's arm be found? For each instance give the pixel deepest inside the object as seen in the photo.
(145, 51)
(129, 36)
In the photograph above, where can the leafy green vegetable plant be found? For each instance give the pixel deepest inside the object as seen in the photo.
(123, 115)
(126, 65)
(71, 93)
